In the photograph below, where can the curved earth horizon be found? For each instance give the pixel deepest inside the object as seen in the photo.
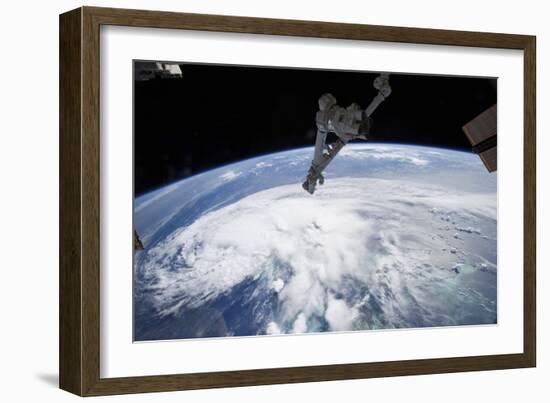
(399, 236)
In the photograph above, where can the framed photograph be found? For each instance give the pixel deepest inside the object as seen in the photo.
(249, 201)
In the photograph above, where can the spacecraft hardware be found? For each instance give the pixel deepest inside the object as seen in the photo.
(138, 245)
(482, 134)
(349, 123)
(144, 71)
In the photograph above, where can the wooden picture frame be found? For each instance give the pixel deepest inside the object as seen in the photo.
(79, 346)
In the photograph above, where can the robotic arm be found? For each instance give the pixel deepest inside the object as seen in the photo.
(347, 123)
(382, 84)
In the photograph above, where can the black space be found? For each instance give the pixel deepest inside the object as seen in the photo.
(218, 114)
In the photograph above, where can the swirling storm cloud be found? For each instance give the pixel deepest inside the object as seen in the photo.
(398, 237)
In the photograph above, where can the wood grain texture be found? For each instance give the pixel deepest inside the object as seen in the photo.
(90, 202)
(530, 204)
(80, 197)
(316, 29)
(70, 271)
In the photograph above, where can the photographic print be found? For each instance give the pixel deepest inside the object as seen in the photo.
(275, 201)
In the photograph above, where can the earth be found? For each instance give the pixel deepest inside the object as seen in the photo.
(399, 236)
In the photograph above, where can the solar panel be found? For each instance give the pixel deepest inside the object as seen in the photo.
(482, 135)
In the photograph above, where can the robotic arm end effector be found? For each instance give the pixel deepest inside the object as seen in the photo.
(382, 84)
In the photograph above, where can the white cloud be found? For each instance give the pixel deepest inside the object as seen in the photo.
(367, 231)
(278, 285)
(155, 196)
(272, 328)
(339, 315)
(300, 324)
(414, 157)
(230, 175)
